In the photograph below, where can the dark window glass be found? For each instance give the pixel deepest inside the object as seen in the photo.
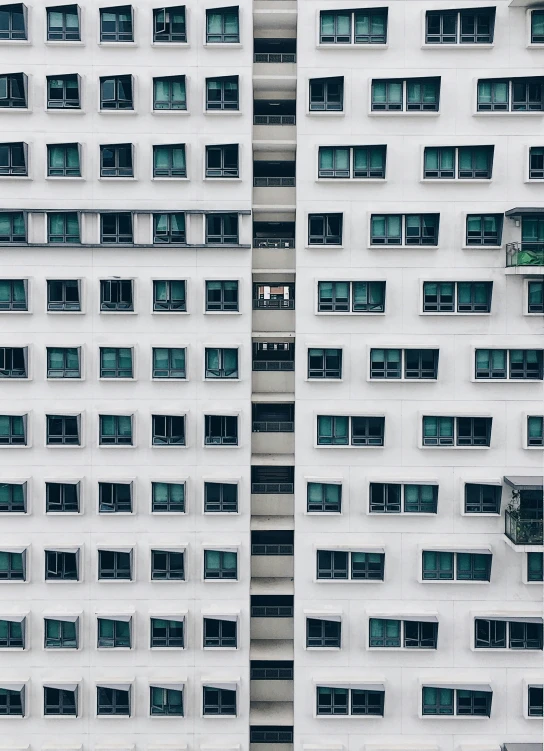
(332, 564)
(116, 24)
(535, 698)
(222, 295)
(367, 565)
(169, 24)
(116, 228)
(113, 701)
(325, 229)
(222, 161)
(13, 90)
(116, 160)
(482, 499)
(271, 670)
(484, 229)
(420, 635)
(384, 632)
(218, 701)
(222, 25)
(62, 430)
(327, 94)
(116, 93)
(12, 566)
(385, 498)
(116, 294)
(169, 362)
(489, 634)
(412, 95)
(12, 634)
(63, 92)
(13, 21)
(371, 26)
(385, 363)
(222, 229)
(438, 701)
(525, 635)
(536, 157)
(168, 497)
(116, 362)
(324, 363)
(167, 565)
(61, 566)
(168, 430)
(12, 430)
(169, 228)
(220, 497)
(525, 363)
(12, 227)
(113, 634)
(322, 633)
(63, 23)
(63, 228)
(12, 702)
(473, 702)
(169, 161)
(222, 93)
(62, 497)
(535, 567)
(61, 634)
(114, 498)
(332, 430)
(475, 162)
(13, 362)
(114, 564)
(219, 633)
(220, 564)
(221, 362)
(165, 702)
(167, 633)
(13, 158)
(221, 430)
(63, 160)
(367, 431)
(437, 564)
(13, 294)
(324, 497)
(13, 497)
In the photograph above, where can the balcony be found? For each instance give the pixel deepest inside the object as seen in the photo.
(523, 529)
(273, 426)
(272, 617)
(523, 516)
(273, 306)
(272, 554)
(277, 52)
(526, 255)
(273, 241)
(272, 489)
(274, 120)
(274, 183)
(273, 368)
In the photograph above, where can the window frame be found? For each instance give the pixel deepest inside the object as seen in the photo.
(167, 637)
(222, 505)
(14, 236)
(16, 502)
(223, 572)
(407, 238)
(323, 640)
(446, 568)
(225, 152)
(119, 153)
(403, 105)
(329, 102)
(18, 437)
(456, 37)
(67, 236)
(342, 567)
(15, 634)
(117, 103)
(511, 105)
(222, 305)
(15, 35)
(63, 640)
(172, 571)
(169, 504)
(117, 237)
(356, 436)
(181, 37)
(457, 307)
(15, 83)
(13, 149)
(116, 568)
(118, 34)
(63, 34)
(224, 35)
(220, 641)
(165, 430)
(375, 40)
(66, 102)
(171, 372)
(64, 506)
(114, 504)
(223, 102)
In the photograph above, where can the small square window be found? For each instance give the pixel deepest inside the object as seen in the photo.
(12, 227)
(12, 566)
(116, 93)
(63, 228)
(169, 362)
(62, 497)
(325, 229)
(116, 24)
(114, 497)
(222, 296)
(169, 228)
(13, 294)
(116, 229)
(222, 161)
(63, 362)
(168, 430)
(114, 564)
(535, 430)
(113, 701)
(221, 363)
(324, 497)
(167, 565)
(116, 362)
(61, 565)
(13, 90)
(169, 161)
(484, 229)
(60, 701)
(169, 24)
(61, 634)
(220, 497)
(13, 430)
(63, 295)
(12, 702)
(63, 160)
(221, 430)
(167, 633)
(116, 160)
(13, 362)
(323, 633)
(222, 229)
(13, 159)
(222, 93)
(63, 24)
(324, 363)
(482, 499)
(12, 634)
(13, 497)
(327, 94)
(222, 25)
(165, 702)
(219, 701)
(220, 565)
(63, 430)
(63, 92)
(13, 21)
(168, 497)
(220, 633)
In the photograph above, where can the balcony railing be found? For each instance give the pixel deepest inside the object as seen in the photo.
(284, 365)
(272, 487)
(274, 119)
(271, 674)
(266, 426)
(275, 57)
(523, 530)
(272, 548)
(273, 182)
(272, 611)
(524, 254)
(274, 304)
(274, 242)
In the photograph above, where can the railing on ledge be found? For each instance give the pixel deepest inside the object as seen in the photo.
(260, 426)
(272, 611)
(273, 182)
(273, 304)
(524, 254)
(275, 488)
(275, 57)
(273, 364)
(272, 549)
(274, 119)
(523, 530)
(274, 242)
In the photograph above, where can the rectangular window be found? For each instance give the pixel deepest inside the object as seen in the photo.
(169, 24)
(222, 93)
(327, 94)
(115, 430)
(534, 703)
(508, 364)
(113, 701)
(63, 160)
(13, 90)
(167, 633)
(169, 93)
(222, 26)
(222, 229)
(169, 295)
(218, 701)
(363, 26)
(12, 566)
(114, 564)
(535, 430)
(114, 497)
(498, 634)
(409, 364)
(337, 564)
(324, 497)
(62, 497)
(222, 296)
(63, 24)
(60, 702)
(61, 566)
(12, 430)
(116, 228)
(357, 297)
(63, 295)
(13, 497)
(536, 162)
(511, 95)
(13, 294)
(169, 228)
(116, 24)
(482, 499)
(12, 227)
(457, 297)
(60, 634)
(12, 702)
(417, 498)
(169, 161)
(168, 497)
(468, 26)
(13, 159)
(349, 701)
(222, 161)
(220, 564)
(116, 362)
(167, 565)
(168, 430)
(63, 362)
(221, 430)
(354, 431)
(325, 229)
(62, 430)
(473, 162)
(439, 565)
(13, 362)
(63, 229)
(484, 229)
(116, 160)
(384, 633)
(63, 92)
(116, 93)
(409, 95)
(537, 27)
(220, 497)
(219, 633)
(165, 702)
(12, 634)
(169, 362)
(456, 431)
(13, 21)
(449, 701)
(221, 363)
(404, 229)
(324, 363)
(535, 567)
(116, 294)
(322, 633)
(354, 161)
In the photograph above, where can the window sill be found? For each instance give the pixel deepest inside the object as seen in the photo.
(221, 380)
(117, 43)
(15, 111)
(451, 581)
(316, 246)
(324, 113)
(534, 46)
(458, 46)
(323, 380)
(169, 45)
(533, 448)
(117, 312)
(325, 446)
(451, 313)
(417, 514)
(168, 380)
(403, 113)
(60, 446)
(223, 312)
(168, 446)
(170, 112)
(230, 113)
(531, 180)
(351, 180)
(479, 515)
(403, 247)
(64, 513)
(15, 43)
(482, 247)
(462, 180)
(15, 178)
(219, 179)
(115, 581)
(64, 43)
(170, 312)
(452, 717)
(19, 446)
(223, 45)
(62, 178)
(116, 446)
(176, 179)
(506, 380)
(351, 46)
(65, 312)
(221, 446)
(119, 179)
(29, 312)
(65, 111)
(454, 448)
(323, 649)
(505, 113)
(401, 380)
(117, 112)
(349, 313)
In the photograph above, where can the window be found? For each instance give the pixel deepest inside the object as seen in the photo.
(116, 24)
(404, 229)
(510, 95)
(168, 430)
(468, 26)
(169, 24)
(61, 634)
(322, 633)
(222, 93)
(324, 497)
(324, 363)
(167, 565)
(169, 161)
(63, 160)
(62, 497)
(12, 227)
(490, 634)
(13, 362)
(221, 430)
(114, 633)
(473, 162)
(439, 565)
(398, 633)
(220, 497)
(535, 430)
(116, 93)
(63, 24)
(13, 497)
(405, 364)
(346, 297)
(512, 364)
(116, 362)
(12, 702)
(12, 430)
(169, 362)
(12, 634)
(338, 564)
(537, 31)
(220, 633)
(221, 363)
(63, 362)
(13, 158)
(13, 294)
(222, 161)
(168, 497)
(114, 564)
(455, 701)
(169, 228)
(222, 229)
(222, 26)
(167, 633)
(63, 93)
(116, 228)
(534, 704)
(220, 564)
(113, 701)
(484, 229)
(61, 565)
(63, 295)
(354, 431)
(13, 21)
(535, 567)
(385, 498)
(482, 499)
(114, 497)
(116, 160)
(536, 162)
(13, 90)
(219, 701)
(408, 95)
(457, 297)
(222, 296)
(63, 228)
(115, 430)
(325, 229)
(60, 701)
(349, 701)
(362, 26)
(456, 431)
(165, 702)
(327, 94)
(12, 566)
(62, 430)
(354, 161)
(116, 294)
